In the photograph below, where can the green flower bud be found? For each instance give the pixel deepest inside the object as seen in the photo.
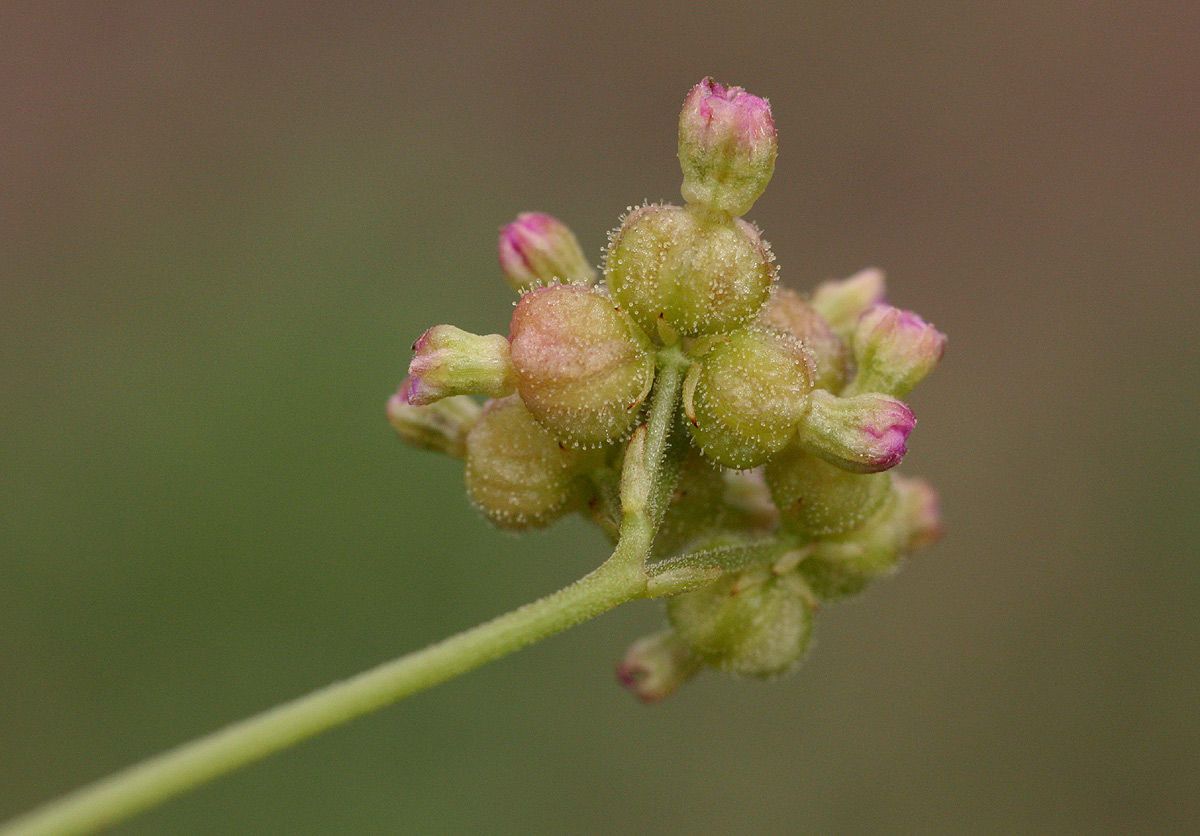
(895, 350)
(697, 273)
(581, 366)
(907, 520)
(820, 499)
(451, 361)
(753, 623)
(788, 312)
(727, 147)
(655, 666)
(749, 395)
(517, 474)
(863, 434)
(538, 249)
(440, 426)
(843, 301)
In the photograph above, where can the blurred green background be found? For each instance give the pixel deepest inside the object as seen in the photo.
(221, 225)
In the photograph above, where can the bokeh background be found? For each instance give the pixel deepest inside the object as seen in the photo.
(224, 223)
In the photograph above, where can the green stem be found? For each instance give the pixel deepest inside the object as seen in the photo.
(146, 784)
(619, 579)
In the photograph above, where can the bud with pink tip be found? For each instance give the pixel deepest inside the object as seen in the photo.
(727, 147)
(655, 666)
(441, 427)
(451, 361)
(863, 434)
(538, 249)
(895, 350)
(842, 301)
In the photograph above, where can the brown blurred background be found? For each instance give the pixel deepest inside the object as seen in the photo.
(221, 225)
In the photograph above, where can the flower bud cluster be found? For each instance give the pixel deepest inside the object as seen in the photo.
(789, 419)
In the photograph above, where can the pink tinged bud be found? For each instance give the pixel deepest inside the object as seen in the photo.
(450, 361)
(517, 474)
(920, 512)
(691, 271)
(747, 396)
(863, 434)
(895, 350)
(440, 426)
(538, 249)
(581, 365)
(787, 311)
(655, 666)
(843, 301)
(727, 147)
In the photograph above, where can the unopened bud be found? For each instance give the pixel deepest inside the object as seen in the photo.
(750, 393)
(440, 426)
(788, 312)
(450, 361)
(655, 666)
(919, 508)
(581, 365)
(695, 273)
(517, 474)
(727, 147)
(841, 302)
(819, 499)
(538, 249)
(754, 623)
(863, 434)
(907, 520)
(895, 350)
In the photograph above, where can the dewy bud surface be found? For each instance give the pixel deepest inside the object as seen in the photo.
(517, 473)
(895, 350)
(727, 147)
(862, 434)
(753, 623)
(788, 312)
(700, 274)
(751, 393)
(581, 366)
(450, 361)
(820, 499)
(538, 249)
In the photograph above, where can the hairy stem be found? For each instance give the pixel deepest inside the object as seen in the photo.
(619, 579)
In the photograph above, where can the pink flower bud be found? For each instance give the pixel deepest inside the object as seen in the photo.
(919, 509)
(727, 147)
(863, 434)
(451, 361)
(581, 365)
(440, 426)
(895, 350)
(655, 666)
(538, 249)
(843, 301)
